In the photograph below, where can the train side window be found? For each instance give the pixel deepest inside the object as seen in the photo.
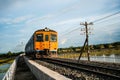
(39, 37)
(46, 38)
(53, 37)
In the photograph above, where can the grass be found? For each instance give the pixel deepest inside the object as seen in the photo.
(106, 52)
(6, 60)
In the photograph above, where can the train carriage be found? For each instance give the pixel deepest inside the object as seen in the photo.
(43, 43)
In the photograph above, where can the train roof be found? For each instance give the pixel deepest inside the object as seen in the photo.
(46, 29)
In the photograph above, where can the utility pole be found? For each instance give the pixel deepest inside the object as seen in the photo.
(86, 43)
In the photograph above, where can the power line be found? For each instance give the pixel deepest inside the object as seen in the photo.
(96, 21)
(106, 17)
(71, 30)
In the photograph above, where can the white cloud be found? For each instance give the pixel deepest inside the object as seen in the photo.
(17, 4)
(63, 41)
(37, 19)
(62, 16)
(4, 20)
(15, 20)
(68, 21)
(21, 19)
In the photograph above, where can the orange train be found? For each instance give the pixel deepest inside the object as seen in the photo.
(43, 43)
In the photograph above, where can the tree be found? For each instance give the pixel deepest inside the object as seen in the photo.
(9, 54)
(101, 46)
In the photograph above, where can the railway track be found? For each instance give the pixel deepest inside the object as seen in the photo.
(111, 73)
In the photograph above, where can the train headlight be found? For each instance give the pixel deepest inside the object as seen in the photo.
(46, 29)
(37, 48)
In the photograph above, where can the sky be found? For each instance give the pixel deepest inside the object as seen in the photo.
(20, 18)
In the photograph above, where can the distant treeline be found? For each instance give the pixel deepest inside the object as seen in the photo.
(10, 54)
(115, 45)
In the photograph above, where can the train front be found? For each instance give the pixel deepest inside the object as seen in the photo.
(46, 43)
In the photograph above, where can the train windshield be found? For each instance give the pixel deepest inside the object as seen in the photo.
(46, 38)
(39, 37)
(53, 37)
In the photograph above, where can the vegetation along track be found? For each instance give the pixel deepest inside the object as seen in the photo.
(104, 71)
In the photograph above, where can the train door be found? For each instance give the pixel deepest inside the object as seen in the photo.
(53, 44)
(39, 45)
(46, 45)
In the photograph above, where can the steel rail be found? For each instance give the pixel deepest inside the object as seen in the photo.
(77, 66)
(85, 65)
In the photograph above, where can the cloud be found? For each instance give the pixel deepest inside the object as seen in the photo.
(23, 18)
(16, 20)
(37, 19)
(91, 18)
(63, 41)
(5, 20)
(68, 21)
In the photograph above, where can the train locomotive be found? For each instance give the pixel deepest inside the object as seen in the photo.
(43, 43)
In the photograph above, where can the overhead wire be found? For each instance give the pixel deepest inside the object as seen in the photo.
(71, 30)
(106, 17)
(72, 42)
(95, 21)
